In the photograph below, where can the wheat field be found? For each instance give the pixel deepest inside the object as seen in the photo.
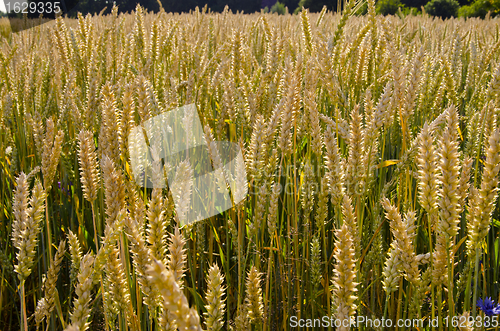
(371, 149)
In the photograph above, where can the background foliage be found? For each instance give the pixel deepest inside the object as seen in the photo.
(441, 8)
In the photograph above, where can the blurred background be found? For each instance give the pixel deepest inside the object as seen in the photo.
(440, 8)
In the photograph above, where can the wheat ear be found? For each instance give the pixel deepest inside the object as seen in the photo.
(253, 299)
(174, 300)
(215, 301)
(46, 305)
(345, 275)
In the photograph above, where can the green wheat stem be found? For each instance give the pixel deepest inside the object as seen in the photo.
(451, 308)
(440, 304)
(476, 272)
(23, 307)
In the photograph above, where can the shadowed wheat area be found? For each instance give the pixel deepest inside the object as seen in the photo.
(371, 150)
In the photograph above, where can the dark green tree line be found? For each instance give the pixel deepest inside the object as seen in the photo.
(184, 6)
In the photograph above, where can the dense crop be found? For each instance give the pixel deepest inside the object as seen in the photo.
(371, 145)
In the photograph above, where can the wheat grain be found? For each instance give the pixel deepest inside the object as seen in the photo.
(87, 158)
(75, 250)
(345, 275)
(177, 258)
(52, 147)
(81, 309)
(174, 300)
(27, 224)
(215, 301)
(46, 305)
(253, 298)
